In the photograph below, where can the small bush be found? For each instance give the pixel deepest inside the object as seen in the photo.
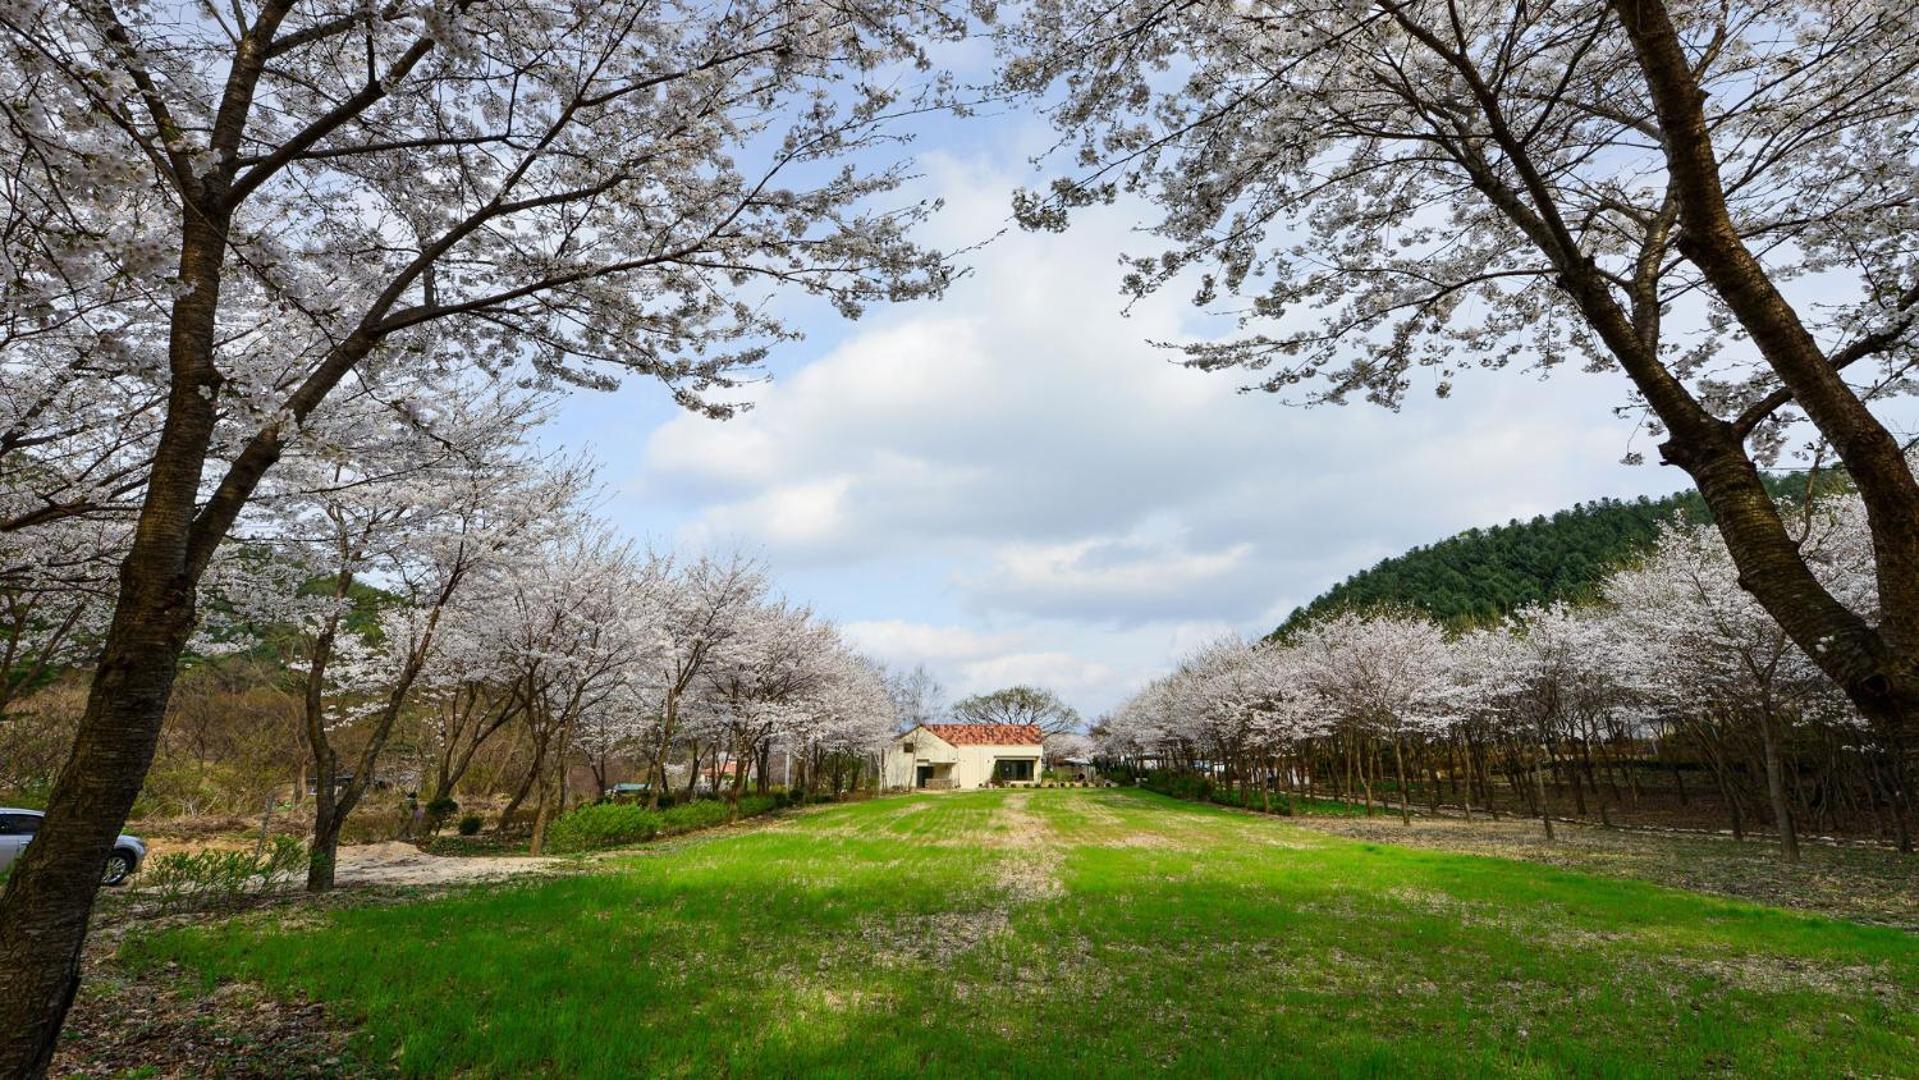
(221, 878)
(755, 805)
(470, 825)
(440, 811)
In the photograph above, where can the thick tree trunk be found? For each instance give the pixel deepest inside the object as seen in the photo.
(1878, 668)
(49, 894)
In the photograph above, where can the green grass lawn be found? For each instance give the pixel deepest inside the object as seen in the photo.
(1069, 931)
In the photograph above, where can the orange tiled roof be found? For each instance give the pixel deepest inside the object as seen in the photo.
(988, 734)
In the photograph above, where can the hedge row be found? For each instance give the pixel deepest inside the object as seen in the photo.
(608, 825)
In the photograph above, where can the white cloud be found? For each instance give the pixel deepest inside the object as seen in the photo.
(1130, 579)
(1072, 504)
(1069, 675)
(898, 641)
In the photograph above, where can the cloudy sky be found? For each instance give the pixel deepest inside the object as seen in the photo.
(1013, 485)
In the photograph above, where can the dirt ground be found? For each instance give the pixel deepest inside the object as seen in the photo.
(389, 862)
(397, 863)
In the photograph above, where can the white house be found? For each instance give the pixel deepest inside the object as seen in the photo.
(962, 756)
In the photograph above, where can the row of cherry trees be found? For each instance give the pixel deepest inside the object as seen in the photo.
(1565, 709)
(435, 579)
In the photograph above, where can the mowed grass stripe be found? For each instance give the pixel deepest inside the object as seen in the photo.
(1062, 931)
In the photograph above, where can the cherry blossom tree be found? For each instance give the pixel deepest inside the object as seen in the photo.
(419, 507)
(705, 604)
(1382, 677)
(582, 630)
(1712, 198)
(271, 200)
(837, 728)
(760, 680)
(1704, 648)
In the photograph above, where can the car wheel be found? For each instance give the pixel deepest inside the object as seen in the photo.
(119, 868)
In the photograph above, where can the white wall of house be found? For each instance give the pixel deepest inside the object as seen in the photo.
(968, 767)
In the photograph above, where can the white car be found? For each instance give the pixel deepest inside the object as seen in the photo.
(17, 829)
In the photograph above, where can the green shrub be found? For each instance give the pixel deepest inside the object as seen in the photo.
(755, 805)
(220, 878)
(470, 825)
(1180, 784)
(606, 825)
(686, 817)
(440, 811)
(603, 825)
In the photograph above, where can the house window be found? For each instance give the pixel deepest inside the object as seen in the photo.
(1017, 769)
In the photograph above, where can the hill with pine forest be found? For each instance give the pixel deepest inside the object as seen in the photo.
(1484, 574)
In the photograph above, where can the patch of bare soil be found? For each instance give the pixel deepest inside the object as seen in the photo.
(932, 939)
(1027, 869)
(166, 1026)
(1775, 974)
(1869, 885)
(162, 1021)
(397, 863)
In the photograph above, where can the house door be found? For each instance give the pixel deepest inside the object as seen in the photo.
(925, 774)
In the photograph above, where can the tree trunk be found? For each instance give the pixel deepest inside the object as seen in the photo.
(1399, 767)
(50, 892)
(1776, 790)
(668, 718)
(541, 813)
(526, 787)
(323, 857)
(1539, 780)
(1875, 666)
(1466, 799)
